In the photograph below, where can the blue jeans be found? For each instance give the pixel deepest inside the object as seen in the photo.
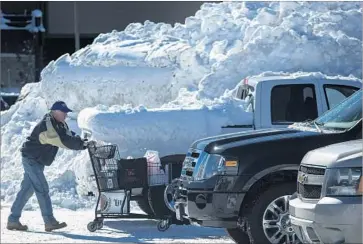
(34, 181)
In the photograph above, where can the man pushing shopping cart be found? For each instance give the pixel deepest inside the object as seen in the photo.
(38, 151)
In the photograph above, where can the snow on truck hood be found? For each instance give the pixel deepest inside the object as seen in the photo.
(184, 66)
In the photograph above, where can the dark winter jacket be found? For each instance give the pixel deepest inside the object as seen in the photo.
(47, 136)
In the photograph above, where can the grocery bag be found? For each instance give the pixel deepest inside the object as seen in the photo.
(157, 175)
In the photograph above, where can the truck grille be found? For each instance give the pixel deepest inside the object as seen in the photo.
(309, 191)
(189, 164)
(310, 181)
(312, 170)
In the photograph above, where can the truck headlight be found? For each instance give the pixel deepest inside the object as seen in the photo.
(214, 164)
(344, 182)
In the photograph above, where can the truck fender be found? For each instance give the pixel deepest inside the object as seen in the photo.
(263, 173)
(252, 181)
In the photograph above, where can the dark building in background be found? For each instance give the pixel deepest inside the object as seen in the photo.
(70, 26)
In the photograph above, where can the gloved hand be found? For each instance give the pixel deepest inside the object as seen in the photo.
(87, 143)
(92, 143)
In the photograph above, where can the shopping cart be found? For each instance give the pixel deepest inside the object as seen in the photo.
(116, 178)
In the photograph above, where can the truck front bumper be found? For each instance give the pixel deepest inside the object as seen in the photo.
(209, 208)
(329, 220)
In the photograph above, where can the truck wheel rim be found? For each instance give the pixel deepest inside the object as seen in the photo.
(276, 222)
(169, 195)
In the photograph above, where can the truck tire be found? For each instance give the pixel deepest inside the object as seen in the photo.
(156, 201)
(238, 236)
(143, 203)
(261, 210)
(155, 194)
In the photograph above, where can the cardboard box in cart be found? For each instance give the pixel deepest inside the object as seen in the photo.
(111, 202)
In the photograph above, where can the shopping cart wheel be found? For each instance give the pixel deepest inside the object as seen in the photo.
(100, 224)
(163, 225)
(92, 226)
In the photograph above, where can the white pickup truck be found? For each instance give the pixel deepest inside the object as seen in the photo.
(279, 101)
(270, 102)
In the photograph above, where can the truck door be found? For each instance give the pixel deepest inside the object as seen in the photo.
(290, 102)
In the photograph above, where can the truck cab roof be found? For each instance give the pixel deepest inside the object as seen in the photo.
(273, 76)
(266, 77)
(345, 154)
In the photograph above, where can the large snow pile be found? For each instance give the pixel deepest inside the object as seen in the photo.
(185, 66)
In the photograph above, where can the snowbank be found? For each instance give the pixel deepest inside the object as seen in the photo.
(116, 72)
(186, 66)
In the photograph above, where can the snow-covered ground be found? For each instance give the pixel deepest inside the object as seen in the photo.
(125, 231)
(154, 66)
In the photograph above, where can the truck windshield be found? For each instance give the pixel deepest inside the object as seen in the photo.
(343, 116)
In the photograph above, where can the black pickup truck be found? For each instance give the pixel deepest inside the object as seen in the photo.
(243, 181)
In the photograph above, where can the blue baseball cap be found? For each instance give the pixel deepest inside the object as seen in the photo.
(61, 106)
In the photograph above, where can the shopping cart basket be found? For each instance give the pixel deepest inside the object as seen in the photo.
(116, 178)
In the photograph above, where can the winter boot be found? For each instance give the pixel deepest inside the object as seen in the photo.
(55, 226)
(16, 226)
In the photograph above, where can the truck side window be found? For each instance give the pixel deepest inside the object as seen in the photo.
(334, 94)
(293, 103)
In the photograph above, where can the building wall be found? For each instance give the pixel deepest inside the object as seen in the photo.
(16, 69)
(101, 17)
(16, 7)
(93, 18)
